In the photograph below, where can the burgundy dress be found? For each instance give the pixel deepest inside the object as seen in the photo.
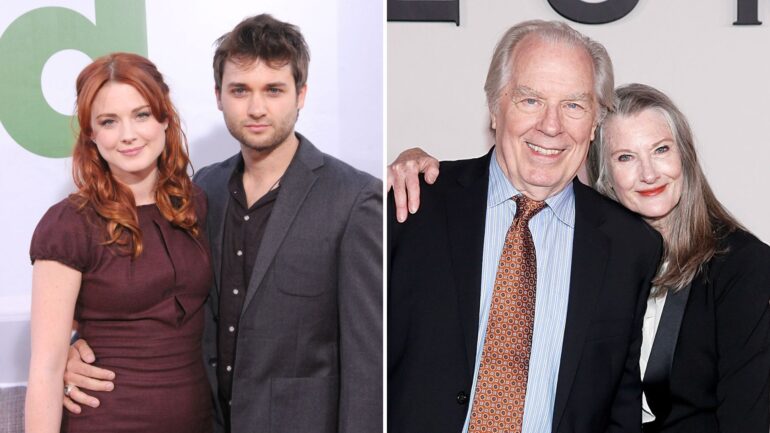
(143, 318)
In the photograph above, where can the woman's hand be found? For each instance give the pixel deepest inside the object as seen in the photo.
(403, 177)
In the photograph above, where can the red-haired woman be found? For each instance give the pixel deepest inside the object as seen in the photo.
(125, 256)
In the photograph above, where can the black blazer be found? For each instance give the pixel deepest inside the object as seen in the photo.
(434, 268)
(719, 379)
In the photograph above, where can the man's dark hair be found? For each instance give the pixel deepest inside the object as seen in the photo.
(263, 37)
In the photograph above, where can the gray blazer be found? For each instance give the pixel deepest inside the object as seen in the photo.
(309, 345)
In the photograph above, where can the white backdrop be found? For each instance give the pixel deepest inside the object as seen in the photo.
(342, 115)
(717, 73)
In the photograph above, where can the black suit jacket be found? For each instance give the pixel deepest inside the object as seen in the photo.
(309, 342)
(434, 269)
(719, 378)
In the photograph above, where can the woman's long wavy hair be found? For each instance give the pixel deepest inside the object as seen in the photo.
(97, 188)
(699, 221)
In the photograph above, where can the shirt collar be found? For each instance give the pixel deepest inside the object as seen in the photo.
(501, 190)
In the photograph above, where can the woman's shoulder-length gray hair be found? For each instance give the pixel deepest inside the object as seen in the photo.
(501, 68)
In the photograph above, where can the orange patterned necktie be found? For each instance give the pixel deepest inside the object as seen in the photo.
(501, 386)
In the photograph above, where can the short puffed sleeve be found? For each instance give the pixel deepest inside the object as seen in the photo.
(65, 235)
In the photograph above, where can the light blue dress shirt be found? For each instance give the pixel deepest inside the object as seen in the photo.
(552, 230)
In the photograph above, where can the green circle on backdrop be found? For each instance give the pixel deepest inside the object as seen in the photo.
(28, 43)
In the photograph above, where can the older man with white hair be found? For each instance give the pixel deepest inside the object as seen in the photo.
(516, 293)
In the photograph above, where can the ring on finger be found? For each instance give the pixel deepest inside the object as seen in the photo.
(68, 389)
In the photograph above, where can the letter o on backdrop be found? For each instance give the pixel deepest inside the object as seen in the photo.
(593, 13)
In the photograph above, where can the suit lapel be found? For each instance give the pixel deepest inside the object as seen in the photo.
(656, 377)
(590, 252)
(466, 215)
(295, 185)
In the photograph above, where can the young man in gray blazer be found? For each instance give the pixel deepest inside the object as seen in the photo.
(293, 339)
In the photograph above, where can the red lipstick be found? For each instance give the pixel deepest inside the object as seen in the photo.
(652, 192)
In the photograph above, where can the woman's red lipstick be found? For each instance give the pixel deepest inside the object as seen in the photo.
(654, 191)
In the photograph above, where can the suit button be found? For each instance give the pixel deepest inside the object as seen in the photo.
(462, 397)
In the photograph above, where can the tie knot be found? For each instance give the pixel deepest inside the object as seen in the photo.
(526, 208)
